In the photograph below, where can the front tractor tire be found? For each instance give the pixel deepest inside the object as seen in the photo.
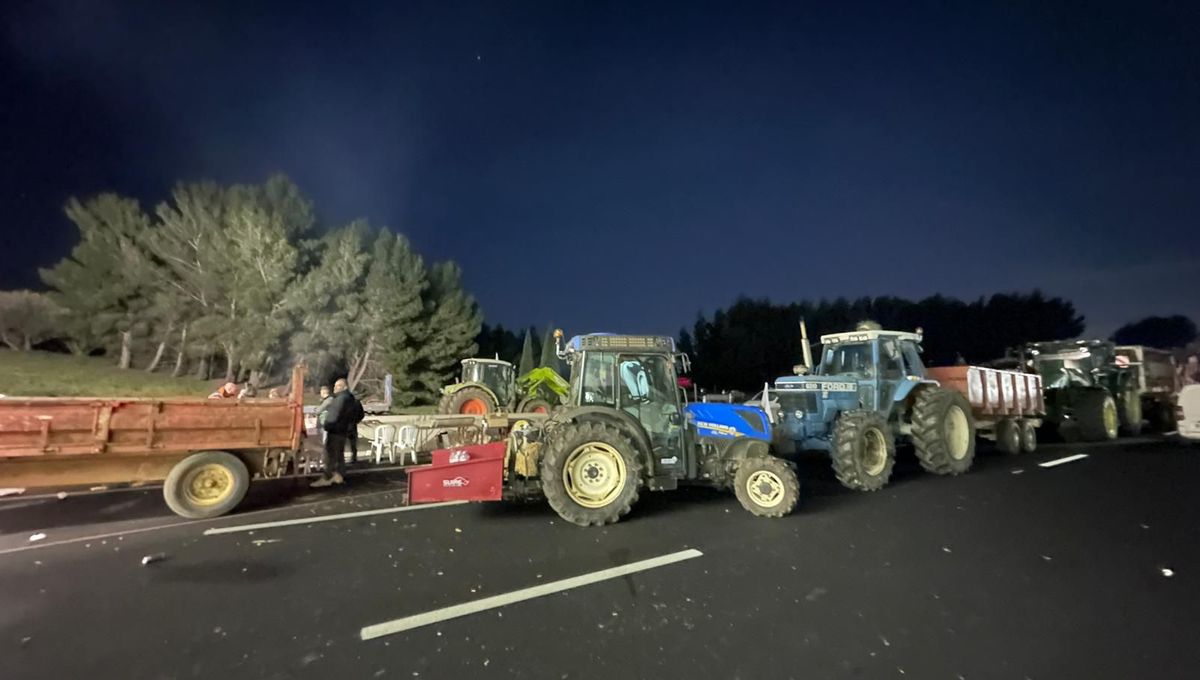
(468, 401)
(943, 431)
(1098, 416)
(590, 473)
(766, 486)
(535, 405)
(864, 451)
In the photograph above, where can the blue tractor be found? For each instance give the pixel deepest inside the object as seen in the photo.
(869, 392)
(626, 426)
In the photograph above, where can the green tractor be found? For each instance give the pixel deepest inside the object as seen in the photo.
(491, 385)
(1091, 393)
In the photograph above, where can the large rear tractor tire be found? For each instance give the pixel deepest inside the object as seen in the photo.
(1008, 436)
(766, 486)
(535, 405)
(1097, 415)
(943, 431)
(590, 473)
(468, 401)
(1028, 437)
(207, 484)
(864, 451)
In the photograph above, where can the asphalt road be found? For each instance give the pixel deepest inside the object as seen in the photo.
(1011, 571)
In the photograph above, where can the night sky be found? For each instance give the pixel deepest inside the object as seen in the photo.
(614, 166)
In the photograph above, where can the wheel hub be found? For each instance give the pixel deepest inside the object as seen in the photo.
(958, 433)
(874, 457)
(765, 488)
(208, 485)
(594, 475)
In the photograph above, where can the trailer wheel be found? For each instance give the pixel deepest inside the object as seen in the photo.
(1096, 412)
(469, 401)
(766, 486)
(206, 484)
(1028, 437)
(863, 451)
(1008, 436)
(943, 431)
(590, 473)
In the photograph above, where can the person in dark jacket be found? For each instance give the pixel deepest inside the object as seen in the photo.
(341, 422)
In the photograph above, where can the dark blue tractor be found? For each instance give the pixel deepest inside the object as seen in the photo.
(626, 426)
(868, 393)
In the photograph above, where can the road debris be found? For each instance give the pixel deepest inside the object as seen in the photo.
(13, 491)
(37, 537)
(61, 495)
(1168, 572)
(151, 559)
(1018, 471)
(945, 549)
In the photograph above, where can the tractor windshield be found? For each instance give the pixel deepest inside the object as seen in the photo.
(845, 358)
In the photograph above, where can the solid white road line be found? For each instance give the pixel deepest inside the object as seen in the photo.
(473, 607)
(324, 518)
(1060, 461)
(188, 522)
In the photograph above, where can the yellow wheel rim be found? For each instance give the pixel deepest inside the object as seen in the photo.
(765, 488)
(874, 453)
(594, 475)
(208, 485)
(1111, 420)
(958, 433)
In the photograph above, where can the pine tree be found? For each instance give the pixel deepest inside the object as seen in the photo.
(103, 285)
(27, 318)
(452, 323)
(394, 311)
(526, 365)
(328, 306)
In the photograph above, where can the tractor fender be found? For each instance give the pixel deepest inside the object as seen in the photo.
(744, 448)
(908, 387)
(627, 424)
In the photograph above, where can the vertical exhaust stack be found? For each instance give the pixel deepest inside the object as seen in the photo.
(559, 350)
(804, 346)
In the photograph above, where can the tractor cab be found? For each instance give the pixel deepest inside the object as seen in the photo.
(486, 386)
(868, 369)
(636, 376)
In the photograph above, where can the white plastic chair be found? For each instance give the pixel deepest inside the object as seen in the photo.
(383, 443)
(406, 442)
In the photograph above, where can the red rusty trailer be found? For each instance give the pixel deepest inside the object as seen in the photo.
(1007, 405)
(204, 450)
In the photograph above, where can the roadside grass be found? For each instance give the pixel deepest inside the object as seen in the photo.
(46, 374)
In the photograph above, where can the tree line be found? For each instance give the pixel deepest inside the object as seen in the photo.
(238, 281)
(753, 341)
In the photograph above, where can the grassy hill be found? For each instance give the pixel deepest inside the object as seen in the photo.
(43, 374)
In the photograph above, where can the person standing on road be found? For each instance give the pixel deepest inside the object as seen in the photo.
(326, 400)
(338, 425)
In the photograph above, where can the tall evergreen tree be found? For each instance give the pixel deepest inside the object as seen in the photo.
(104, 283)
(394, 311)
(452, 322)
(329, 306)
(526, 364)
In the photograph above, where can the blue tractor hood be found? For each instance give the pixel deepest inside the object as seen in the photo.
(820, 384)
(729, 421)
